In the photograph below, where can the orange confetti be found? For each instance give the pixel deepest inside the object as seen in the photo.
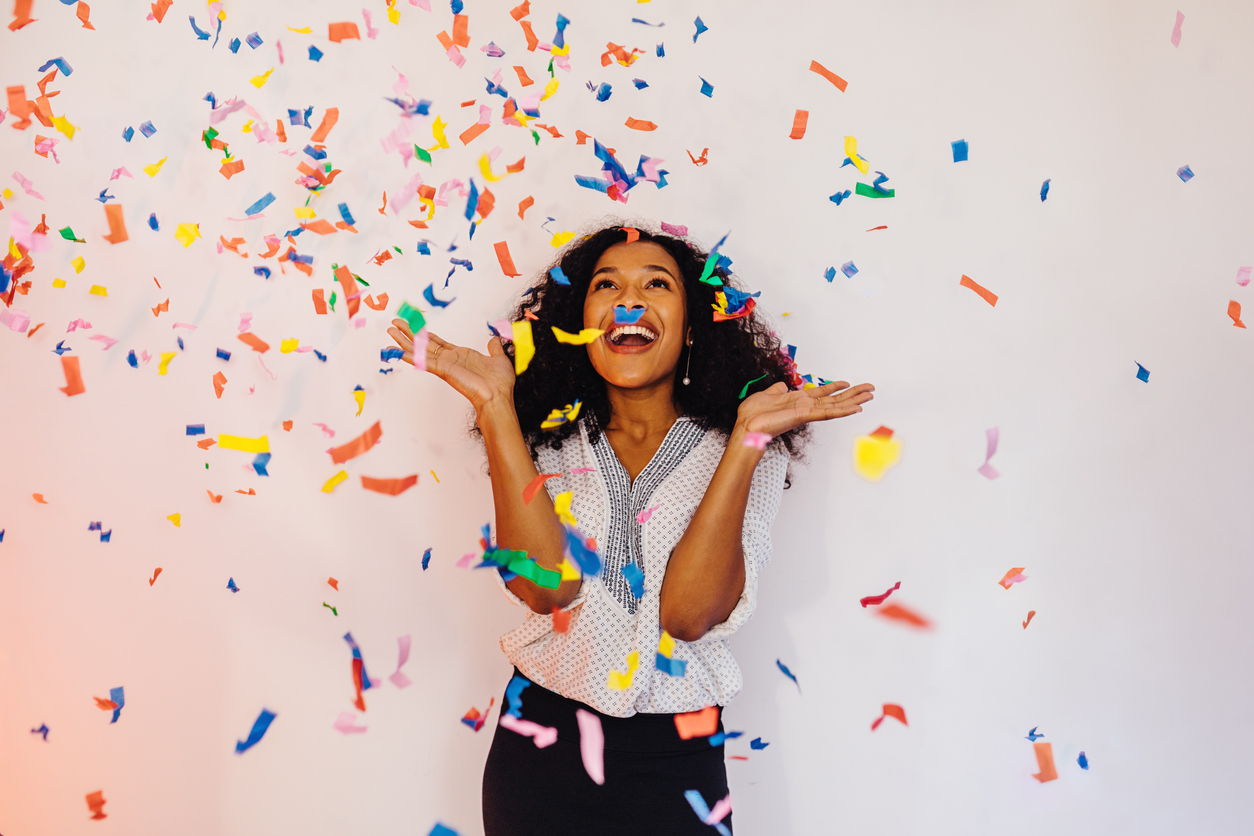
(506, 260)
(249, 492)
(351, 294)
(1031, 613)
(581, 137)
(1234, 311)
(984, 293)
(890, 710)
(162, 308)
(1012, 577)
(105, 705)
(385, 202)
(391, 487)
(799, 120)
(529, 492)
(701, 723)
(523, 78)
(319, 301)
(206, 443)
(702, 160)
(21, 14)
(816, 67)
(231, 168)
(530, 35)
(95, 803)
(219, 383)
(1044, 761)
(521, 10)
(525, 204)
(337, 32)
(376, 304)
(117, 224)
(155, 574)
(254, 342)
(633, 234)
(39, 498)
(900, 613)
(287, 426)
(461, 37)
(84, 12)
(473, 131)
(640, 124)
(73, 376)
(334, 584)
(358, 445)
(215, 498)
(561, 620)
(159, 9)
(329, 119)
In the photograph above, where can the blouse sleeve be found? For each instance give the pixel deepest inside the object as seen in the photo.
(765, 492)
(546, 457)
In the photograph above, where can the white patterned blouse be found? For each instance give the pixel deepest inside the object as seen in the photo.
(607, 621)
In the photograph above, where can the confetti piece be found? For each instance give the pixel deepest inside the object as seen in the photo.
(542, 736)
(851, 154)
(1044, 762)
(701, 723)
(719, 811)
(260, 725)
(640, 124)
(635, 579)
(983, 293)
(358, 445)
(890, 710)
(533, 487)
(260, 204)
(261, 444)
(187, 233)
(707, 89)
(1012, 576)
(1234, 311)
(392, 487)
(524, 345)
(788, 673)
(591, 744)
(645, 515)
(505, 259)
(584, 337)
(816, 67)
(152, 169)
(619, 680)
(1142, 373)
(156, 573)
(1243, 276)
(757, 440)
(1175, 30)
(337, 32)
(1044, 190)
(1184, 173)
(697, 802)
(1031, 613)
(95, 800)
(799, 121)
(346, 723)
(987, 470)
(73, 376)
(960, 150)
(849, 269)
(177, 519)
(879, 599)
(117, 224)
(896, 612)
(397, 677)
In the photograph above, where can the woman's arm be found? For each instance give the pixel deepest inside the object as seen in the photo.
(705, 575)
(533, 528)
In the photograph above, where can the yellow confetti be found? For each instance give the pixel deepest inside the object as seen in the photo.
(288, 345)
(485, 168)
(584, 337)
(261, 444)
(561, 506)
(58, 282)
(166, 357)
(667, 645)
(304, 30)
(13, 250)
(247, 127)
(557, 417)
(620, 681)
(151, 170)
(564, 49)
(63, 125)
(437, 130)
(433, 476)
(561, 238)
(78, 263)
(177, 519)
(305, 212)
(569, 571)
(873, 455)
(524, 346)
(550, 88)
(394, 15)
(258, 80)
(98, 290)
(7, 193)
(334, 480)
(359, 395)
(187, 233)
(851, 151)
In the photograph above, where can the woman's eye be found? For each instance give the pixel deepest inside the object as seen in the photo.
(603, 283)
(661, 281)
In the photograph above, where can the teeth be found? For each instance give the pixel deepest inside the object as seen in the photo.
(617, 334)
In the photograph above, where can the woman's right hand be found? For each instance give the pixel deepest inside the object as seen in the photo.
(480, 378)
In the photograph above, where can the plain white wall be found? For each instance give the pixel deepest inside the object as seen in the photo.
(1127, 502)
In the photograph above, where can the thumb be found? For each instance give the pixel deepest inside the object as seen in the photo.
(495, 347)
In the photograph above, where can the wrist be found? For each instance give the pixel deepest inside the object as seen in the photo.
(496, 411)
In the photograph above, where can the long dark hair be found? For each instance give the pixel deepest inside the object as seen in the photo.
(725, 355)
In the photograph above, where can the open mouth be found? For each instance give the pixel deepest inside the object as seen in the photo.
(631, 335)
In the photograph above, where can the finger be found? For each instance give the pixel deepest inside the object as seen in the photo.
(403, 327)
(400, 338)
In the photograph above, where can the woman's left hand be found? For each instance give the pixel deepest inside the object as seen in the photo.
(778, 409)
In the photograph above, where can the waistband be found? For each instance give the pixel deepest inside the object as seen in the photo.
(640, 732)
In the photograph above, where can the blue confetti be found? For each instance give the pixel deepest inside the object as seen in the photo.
(62, 348)
(179, 341)
(839, 196)
(588, 561)
(1083, 761)
(105, 197)
(130, 359)
(128, 133)
(496, 89)
(389, 354)
(456, 6)
(559, 40)
(640, 83)
(622, 315)
(195, 429)
(787, 673)
(260, 463)
(428, 293)
(1033, 734)
(366, 683)
(315, 54)
(230, 584)
(1184, 173)
(299, 117)
(254, 40)
(635, 579)
(441, 830)
(258, 730)
(758, 743)
(513, 693)
(849, 269)
(472, 200)
(147, 129)
(152, 222)
(316, 153)
(346, 215)
(707, 89)
(700, 807)
(43, 727)
(701, 27)
(426, 558)
(105, 536)
(960, 150)
(223, 354)
(260, 204)
(660, 51)
(829, 273)
(669, 666)
(233, 45)
(603, 92)
(1142, 373)
(262, 270)
(1045, 190)
(559, 276)
(60, 64)
(201, 35)
(320, 355)
(117, 695)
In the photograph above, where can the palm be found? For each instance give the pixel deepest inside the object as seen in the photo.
(476, 376)
(777, 409)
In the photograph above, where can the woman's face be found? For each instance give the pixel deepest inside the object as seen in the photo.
(639, 274)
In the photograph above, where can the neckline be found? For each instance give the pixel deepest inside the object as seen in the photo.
(602, 438)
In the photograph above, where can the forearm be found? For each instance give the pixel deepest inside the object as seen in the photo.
(705, 574)
(531, 527)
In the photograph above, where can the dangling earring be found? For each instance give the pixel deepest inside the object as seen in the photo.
(688, 365)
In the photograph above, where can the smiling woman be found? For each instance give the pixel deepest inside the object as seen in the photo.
(663, 491)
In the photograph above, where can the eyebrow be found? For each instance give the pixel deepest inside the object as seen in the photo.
(649, 268)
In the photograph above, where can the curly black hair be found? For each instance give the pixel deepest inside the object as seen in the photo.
(726, 354)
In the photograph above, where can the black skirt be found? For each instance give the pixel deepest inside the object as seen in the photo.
(530, 790)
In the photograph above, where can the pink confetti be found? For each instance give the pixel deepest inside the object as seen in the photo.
(327, 431)
(677, 231)
(465, 560)
(420, 349)
(986, 469)
(643, 516)
(266, 368)
(109, 342)
(1243, 276)
(1175, 30)
(245, 322)
(14, 320)
(346, 723)
(591, 744)
(455, 55)
(278, 45)
(583, 470)
(76, 324)
(118, 172)
(399, 679)
(719, 811)
(26, 185)
(757, 440)
(186, 325)
(541, 735)
(371, 32)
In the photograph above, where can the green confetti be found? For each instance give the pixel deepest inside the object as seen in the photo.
(707, 274)
(208, 136)
(870, 191)
(68, 235)
(422, 154)
(413, 316)
(333, 610)
(745, 389)
(331, 301)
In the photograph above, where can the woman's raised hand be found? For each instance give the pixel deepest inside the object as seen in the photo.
(479, 378)
(778, 409)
